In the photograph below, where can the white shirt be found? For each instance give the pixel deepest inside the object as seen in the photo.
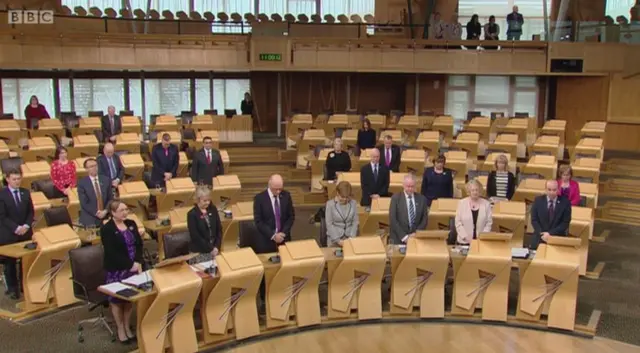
(373, 168)
(207, 153)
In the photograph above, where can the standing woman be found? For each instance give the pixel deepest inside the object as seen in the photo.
(35, 110)
(246, 107)
(437, 181)
(474, 29)
(366, 136)
(341, 216)
(205, 228)
(568, 187)
(63, 173)
(501, 183)
(337, 160)
(122, 259)
(473, 215)
(491, 31)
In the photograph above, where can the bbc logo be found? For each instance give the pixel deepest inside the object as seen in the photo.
(42, 17)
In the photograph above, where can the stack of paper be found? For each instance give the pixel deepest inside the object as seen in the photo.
(139, 279)
(521, 253)
(114, 287)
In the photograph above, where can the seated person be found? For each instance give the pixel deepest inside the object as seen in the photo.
(63, 173)
(550, 215)
(437, 181)
(501, 183)
(568, 187)
(473, 215)
(366, 136)
(204, 226)
(374, 179)
(341, 216)
(165, 159)
(337, 160)
(110, 166)
(390, 154)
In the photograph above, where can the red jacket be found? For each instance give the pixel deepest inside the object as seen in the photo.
(574, 192)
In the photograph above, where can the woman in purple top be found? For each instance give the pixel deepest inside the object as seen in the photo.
(122, 259)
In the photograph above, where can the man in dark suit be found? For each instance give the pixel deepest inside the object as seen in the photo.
(273, 215)
(94, 193)
(165, 159)
(407, 212)
(206, 164)
(16, 218)
(109, 165)
(111, 125)
(550, 215)
(374, 179)
(390, 154)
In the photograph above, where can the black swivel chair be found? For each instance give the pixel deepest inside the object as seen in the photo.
(176, 244)
(46, 187)
(6, 116)
(95, 113)
(126, 113)
(57, 215)
(211, 112)
(13, 163)
(87, 274)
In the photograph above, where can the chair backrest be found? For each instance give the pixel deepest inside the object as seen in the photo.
(57, 215)
(211, 112)
(126, 113)
(7, 116)
(322, 239)
(188, 134)
(87, 270)
(176, 244)
(229, 112)
(46, 187)
(96, 113)
(11, 164)
(247, 233)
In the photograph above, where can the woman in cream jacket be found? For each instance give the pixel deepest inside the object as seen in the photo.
(473, 215)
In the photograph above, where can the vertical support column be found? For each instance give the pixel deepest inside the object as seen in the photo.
(348, 91)
(192, 93)
(279, 110)
(56, 96)
(562, 15)
(144, 104)
(127, 92)
(211, 90)
(71, 93)
(545, 14)
(416, 107)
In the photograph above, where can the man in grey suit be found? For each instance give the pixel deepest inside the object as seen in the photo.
(94, 193)
(206, 164)
(407, 213)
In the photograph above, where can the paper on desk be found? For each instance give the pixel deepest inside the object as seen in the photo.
(114, 287)
(204, 265)
(139, 279)
(519, 252)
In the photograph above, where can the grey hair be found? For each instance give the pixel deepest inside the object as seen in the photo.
(201, 191)
(409, 177)
(474, 182)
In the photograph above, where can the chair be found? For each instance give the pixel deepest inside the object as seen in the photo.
(211, 112)
(188, 134)
(87, 274)
(247, 233)
(176, 244)
(46, 187)
(8, 164)
(521, 115)
(230, 112)
(96, 113)
(7, 116)
(126, 113)
(473, 114)
(58, 215)
(322, 238)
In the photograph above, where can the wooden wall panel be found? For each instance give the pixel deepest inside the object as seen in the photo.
(623, 99)
(622, 137)
(581, 99)
(382, 92)
(431, 93)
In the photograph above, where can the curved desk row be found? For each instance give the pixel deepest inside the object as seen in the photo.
(548, 286)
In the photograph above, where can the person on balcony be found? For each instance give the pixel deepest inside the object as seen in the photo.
(514, 24)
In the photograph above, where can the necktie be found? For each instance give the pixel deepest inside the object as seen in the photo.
(276, 205)
(112, 168)
(551, 210)
(208, 157)
(16, 196)
(166, 152)
(113, 125)
(96, 188)
(412, 212)
(387, 158)
(375, 171)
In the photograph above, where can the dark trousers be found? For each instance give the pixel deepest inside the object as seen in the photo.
(11, 273)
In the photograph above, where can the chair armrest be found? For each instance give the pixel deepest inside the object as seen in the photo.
(84, 289)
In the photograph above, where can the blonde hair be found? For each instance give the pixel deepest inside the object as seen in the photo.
(565, 168)
(201, 191)
(474, 182)
(501, 158)
(343, 189)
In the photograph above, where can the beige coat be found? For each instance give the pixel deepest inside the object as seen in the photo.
(464, 219)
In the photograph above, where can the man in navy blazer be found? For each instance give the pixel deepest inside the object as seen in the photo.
(111, 125)
(110, 166)
(550, 215)
(16, 219)
(390, 154)
(266, 205)
(165, 159)
(93, 206)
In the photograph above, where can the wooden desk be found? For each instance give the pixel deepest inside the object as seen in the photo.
(517, 126)
(458, 163)
(441, 212)
(296, 127)
(429, 141)
(481, 125)
(395, 182)
(179, 192)
(510, 217)
(414, 161)
(32, 171)
(306, 147)
(588, 147)
(165, 123)
(409, 126)
(133, 166)
(378, 122)
(444, 124)
(317, 169)
(350, 139)
(40, 149)
(581, 227)
(10, 132)
(396, 136)
(48, 128)
(84, 146)
(128, 142)
(135, 195)
(541, 166)
(240, 212)
(226, 190)
(468, 142)
(555, 128)
(593, 129)
(202, 123)
(200, 135)
(4, 150)
(587, 169)
(239, 129)
(40, 204)
(590, 192)
(87, 126)
(375, 223)
(505, 143)
(547, 145)
(336, 122)
(131, 124)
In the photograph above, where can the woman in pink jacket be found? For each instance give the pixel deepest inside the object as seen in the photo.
(568, 187)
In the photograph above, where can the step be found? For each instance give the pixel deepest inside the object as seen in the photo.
(622, 167)
(622, 188)
(620, 212)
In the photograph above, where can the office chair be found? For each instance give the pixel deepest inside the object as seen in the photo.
(8, 164)
(57, 215)
(46, 187)
(473, 114)
(95, 113)
(247, 233)
(188, 134)
(322, 237)
(7, 116)
(176, 244)
(210, 112)
(87, 274)
(521, 115)
(229, 113)
(126, 113)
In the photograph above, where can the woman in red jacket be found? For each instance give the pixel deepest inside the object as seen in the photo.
(35, 110)
(568, 187)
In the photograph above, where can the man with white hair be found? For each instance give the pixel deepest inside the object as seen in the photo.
(110, 166)
(550, 215)
(273, 215)
(111, 125)
(407, 213)
(515, 20)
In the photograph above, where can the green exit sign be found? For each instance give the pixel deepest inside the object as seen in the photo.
(270, 57)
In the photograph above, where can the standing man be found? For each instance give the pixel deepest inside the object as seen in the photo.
(206, 164)
(16, 218)
(390, 154)
(111, 125)
(407, 213)
(374, 179)
(94, 193)
(514, 24)
(165, 159)
(246, 107)
(110, 166)
(273, 215)
(550, 215)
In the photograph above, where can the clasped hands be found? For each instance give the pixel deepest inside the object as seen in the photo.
(406, 237)
(278, 238)
(167, 176)
(22, 230)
